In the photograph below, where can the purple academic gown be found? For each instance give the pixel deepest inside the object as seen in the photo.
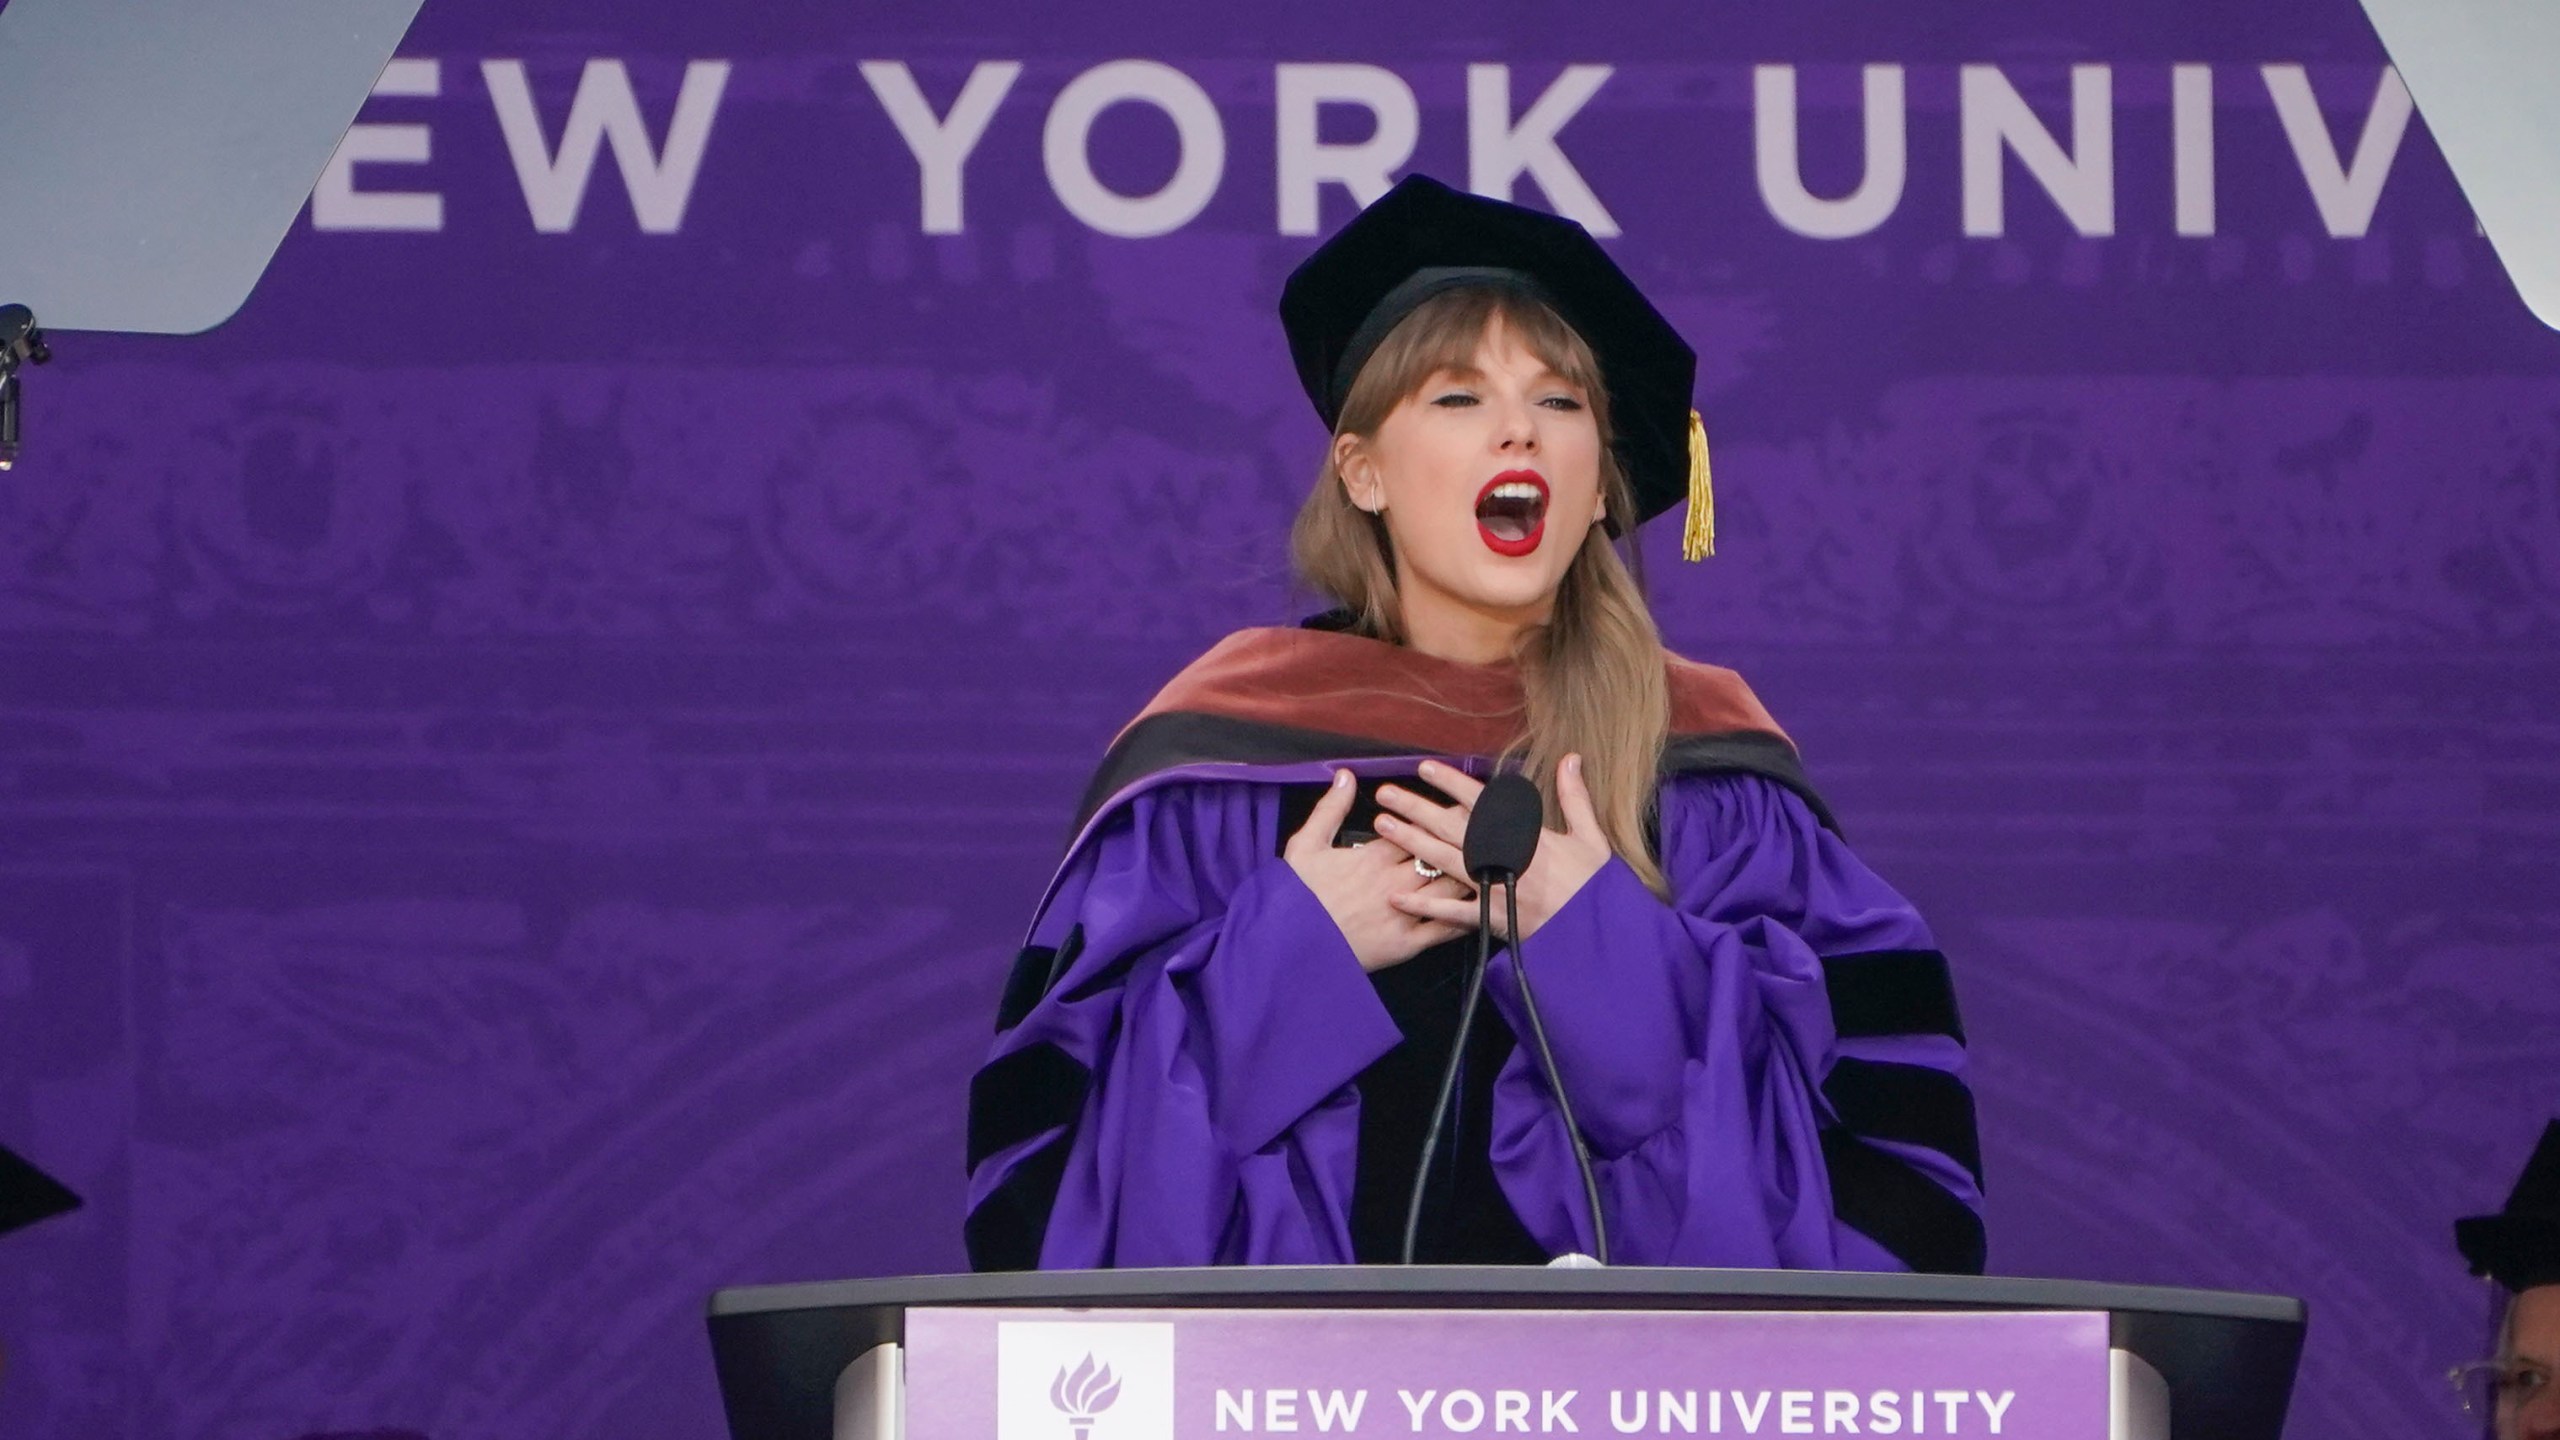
(1767, 1067)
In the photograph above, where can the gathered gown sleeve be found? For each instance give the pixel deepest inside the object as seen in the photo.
(1768, 1069)
(1172, 1079)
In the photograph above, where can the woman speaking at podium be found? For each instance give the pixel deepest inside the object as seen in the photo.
(1224, 1041)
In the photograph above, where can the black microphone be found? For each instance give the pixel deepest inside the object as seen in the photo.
(1501, 840)
(20, 340)
(19, 337)
(1502, 833)
(1497, 846)
(1502, 837)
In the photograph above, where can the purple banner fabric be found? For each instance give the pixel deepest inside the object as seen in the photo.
(525, 757)
(1002, 1374)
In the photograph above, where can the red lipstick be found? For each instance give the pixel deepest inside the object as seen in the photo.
(1511, 512)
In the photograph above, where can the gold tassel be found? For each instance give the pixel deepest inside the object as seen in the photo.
(1699, 540)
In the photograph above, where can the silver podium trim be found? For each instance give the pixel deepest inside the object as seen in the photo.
(871, 1395)
(2137, 1399)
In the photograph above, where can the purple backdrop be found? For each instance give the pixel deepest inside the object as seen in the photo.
(524, 757)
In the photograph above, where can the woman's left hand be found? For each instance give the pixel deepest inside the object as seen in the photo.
(1436, 834)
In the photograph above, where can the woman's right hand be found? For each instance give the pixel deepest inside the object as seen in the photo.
(1357, 885)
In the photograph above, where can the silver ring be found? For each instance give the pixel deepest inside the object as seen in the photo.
(1426, 871)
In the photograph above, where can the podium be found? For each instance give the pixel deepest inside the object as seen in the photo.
(1392, 1353)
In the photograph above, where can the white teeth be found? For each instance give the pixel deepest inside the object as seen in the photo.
(1516, 490)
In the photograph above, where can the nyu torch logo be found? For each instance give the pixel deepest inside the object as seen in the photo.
(1082, 1392)
(1084, 1380)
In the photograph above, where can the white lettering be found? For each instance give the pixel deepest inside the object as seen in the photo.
(1749, 1413)
(1919, 1415)
(2191, 146)
(1992, 1409)
(1499, 151)
(1781, 171)
(941, 146)
(1618, 1419)
(1884, 1413)
(1201, 139)
(1416, 1405)
(1950, 1400)
(1795, 1412)
(1365, 168)
(606, 112)
(1685, 1404)
(1715, 1412)
(1511, 1410)
(2345, 192)
(1279, 1409)
(1554, 1412)
(1839, 1411)
(1238, 1405)
(1332, 1412)
(1995, 121)
(336, 203)
(1449, 1411)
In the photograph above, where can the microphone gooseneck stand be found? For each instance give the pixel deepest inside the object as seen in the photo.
(1501, 839)
(1555, 1079)
(20, 343)
(1449, 1072)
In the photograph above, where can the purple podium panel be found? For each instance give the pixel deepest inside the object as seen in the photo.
(1172, 1374)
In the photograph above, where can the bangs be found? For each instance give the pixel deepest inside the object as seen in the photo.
(1444, 332)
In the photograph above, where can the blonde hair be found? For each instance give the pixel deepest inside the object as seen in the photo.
(1592, 675)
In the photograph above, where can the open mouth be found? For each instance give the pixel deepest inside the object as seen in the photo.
(1511, 512)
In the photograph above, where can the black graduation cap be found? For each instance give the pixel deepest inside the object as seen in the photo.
(2519, 1247)
(1422, 238)
(28, 1195)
